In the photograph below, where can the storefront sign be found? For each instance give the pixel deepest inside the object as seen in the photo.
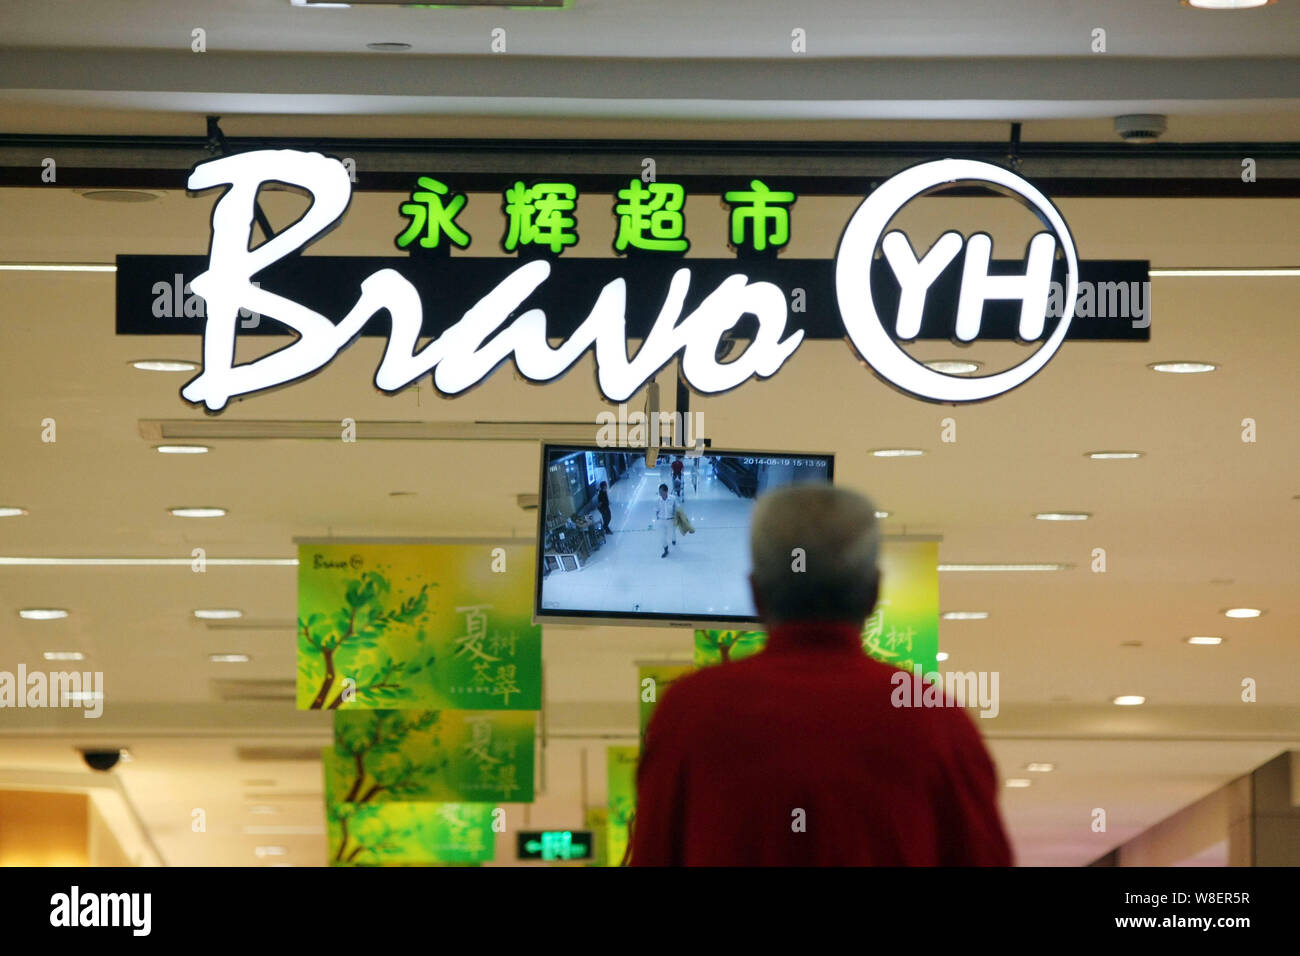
(480, 312)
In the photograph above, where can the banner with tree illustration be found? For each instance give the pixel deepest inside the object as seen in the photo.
(620, 769)
(719, 647)
(398, 834)
(417, 626)
(382, 756)
(902, 631)
(653, 680)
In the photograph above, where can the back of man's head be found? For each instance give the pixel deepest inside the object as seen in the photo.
(814, 549)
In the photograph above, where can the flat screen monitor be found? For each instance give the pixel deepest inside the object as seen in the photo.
(621, 542)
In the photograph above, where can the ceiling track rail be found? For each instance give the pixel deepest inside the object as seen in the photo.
(816, 168)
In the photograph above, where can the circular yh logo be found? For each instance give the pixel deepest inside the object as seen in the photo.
(864, 324)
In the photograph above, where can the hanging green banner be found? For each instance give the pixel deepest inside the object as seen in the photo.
(397, 834)
(653, 680)
(719, 647)
(417, 626)
(382, 756)
(902, 631)
(620, 764)
(597, 821)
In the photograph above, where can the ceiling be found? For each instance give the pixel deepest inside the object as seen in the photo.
(713, 66)
(675, 28)
(1203, 522)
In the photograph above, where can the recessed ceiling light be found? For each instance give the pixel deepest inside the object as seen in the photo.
(952, 366)
(896, 452)
(1226, 4)
(1129, 700)
(42, 613)
(964, 615)
(1113, 455)
(81, 696)
(1063, 515)
(388, 47)
(265, 851)
(1206, 640)
(198, 512)
(64, 656)
(218, 613)
(183, 449)
(1242, 612)
(163, 365)
(882, 514)
(1019, 783)
(120, 195)
(1005, 567)
(1040, 767)
(1182, 368)
(229, 658)
(941, 656)
(12, 512)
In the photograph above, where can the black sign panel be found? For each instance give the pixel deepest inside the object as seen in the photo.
(1113, 304)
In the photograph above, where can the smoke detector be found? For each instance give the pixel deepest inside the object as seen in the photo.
(1140, 127)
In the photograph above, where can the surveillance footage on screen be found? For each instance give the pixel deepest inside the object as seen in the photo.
(623, 541)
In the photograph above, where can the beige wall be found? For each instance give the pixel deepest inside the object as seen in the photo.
(42, 828)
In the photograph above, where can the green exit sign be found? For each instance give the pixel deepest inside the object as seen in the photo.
(555, 844)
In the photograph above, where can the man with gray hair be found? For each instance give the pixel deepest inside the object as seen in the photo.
(797, 756)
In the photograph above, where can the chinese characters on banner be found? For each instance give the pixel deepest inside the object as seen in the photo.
(650, 216)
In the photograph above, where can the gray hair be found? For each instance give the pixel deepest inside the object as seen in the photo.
(814, 549)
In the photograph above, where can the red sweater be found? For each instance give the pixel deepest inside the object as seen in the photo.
(734, 752)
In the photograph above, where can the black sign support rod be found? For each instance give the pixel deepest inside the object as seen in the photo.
(217, 144)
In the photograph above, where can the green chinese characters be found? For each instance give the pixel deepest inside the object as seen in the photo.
(759, 217)
(651, 218)
(431, 217)
(540, 215)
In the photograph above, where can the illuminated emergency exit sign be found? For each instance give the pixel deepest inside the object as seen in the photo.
(555, 845)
